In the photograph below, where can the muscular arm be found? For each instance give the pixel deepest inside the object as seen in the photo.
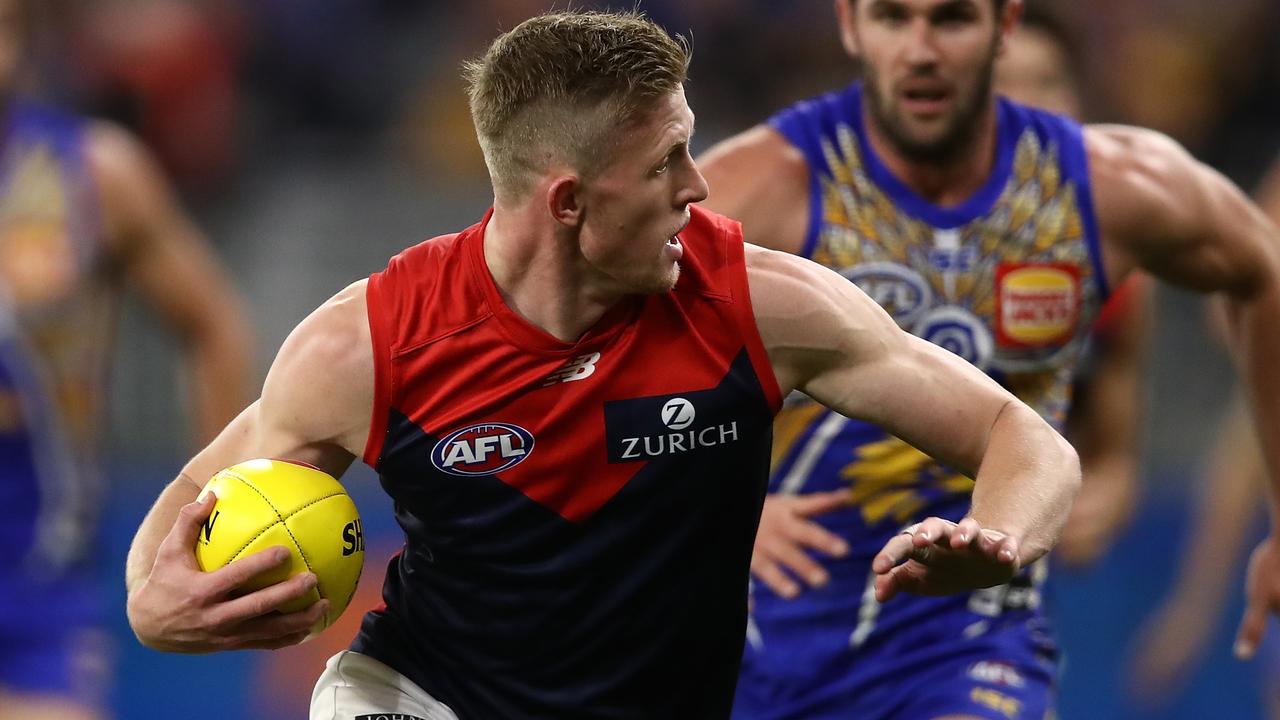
(827, 338)
(762, 181)
(1161, 210)
(166, 259)
(315, 408)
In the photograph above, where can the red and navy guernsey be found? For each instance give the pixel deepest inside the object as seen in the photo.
(578, 517)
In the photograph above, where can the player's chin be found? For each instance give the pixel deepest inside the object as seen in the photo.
(661, 279)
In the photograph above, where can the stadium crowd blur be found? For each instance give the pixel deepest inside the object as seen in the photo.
(312, 139)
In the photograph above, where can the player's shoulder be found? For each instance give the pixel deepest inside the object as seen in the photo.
(1138, 175)
(321, 384)
(1112, 146)
(427, 259)
(785, 284)
(754, 153)
(762, 179)
(338, 324)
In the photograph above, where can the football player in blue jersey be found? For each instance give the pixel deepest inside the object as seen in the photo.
(84, 214)
(996, 231)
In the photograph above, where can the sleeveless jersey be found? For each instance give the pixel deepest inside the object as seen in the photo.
(56, 314)
(578, 516)
(1010, 280)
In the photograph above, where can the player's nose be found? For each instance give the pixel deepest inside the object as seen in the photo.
(695, 188)
(921, 42)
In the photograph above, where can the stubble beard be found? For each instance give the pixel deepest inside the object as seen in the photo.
(959, 133)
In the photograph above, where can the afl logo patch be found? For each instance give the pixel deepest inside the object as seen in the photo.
(482, 449)
(1037, 304)
(901, 291)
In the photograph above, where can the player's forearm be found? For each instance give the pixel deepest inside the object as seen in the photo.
(1224, 515)
(155, 526)
(1027, 481)
(1254, 320)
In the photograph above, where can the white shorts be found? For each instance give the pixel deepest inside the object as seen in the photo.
(357, 687)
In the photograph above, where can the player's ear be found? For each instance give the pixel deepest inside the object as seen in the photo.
(1008, 22)
(564, 200)
(846, 18)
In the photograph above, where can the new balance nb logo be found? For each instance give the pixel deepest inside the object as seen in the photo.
(580, 368)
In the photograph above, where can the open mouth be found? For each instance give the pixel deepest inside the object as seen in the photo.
(925, 99)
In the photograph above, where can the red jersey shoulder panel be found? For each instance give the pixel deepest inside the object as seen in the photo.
(717, 269)
(421, 296)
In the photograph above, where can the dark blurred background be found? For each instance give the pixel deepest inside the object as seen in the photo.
(312, 139)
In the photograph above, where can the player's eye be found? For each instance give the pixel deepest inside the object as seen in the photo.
(954, 14)
(890, 14)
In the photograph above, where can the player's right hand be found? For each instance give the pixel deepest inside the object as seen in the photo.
(787, 532)
(1261, 596)
(940, 557)
(182, 609)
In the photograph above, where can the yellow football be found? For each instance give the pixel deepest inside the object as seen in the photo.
(263, 503)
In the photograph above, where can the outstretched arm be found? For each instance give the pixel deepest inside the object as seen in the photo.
(167, 260)
(315, 408)
(827, 338)
(1161, 210)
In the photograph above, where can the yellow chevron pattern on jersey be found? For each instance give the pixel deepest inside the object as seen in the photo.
(1035, 221)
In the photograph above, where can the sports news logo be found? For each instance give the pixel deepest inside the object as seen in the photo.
(482, 449)
(580, 368)
(1037, 304)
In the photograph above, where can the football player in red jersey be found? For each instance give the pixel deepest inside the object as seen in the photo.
(577, 543)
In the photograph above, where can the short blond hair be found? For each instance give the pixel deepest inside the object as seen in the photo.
(557, 87)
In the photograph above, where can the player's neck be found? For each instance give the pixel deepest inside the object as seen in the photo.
(948, 182)
(541, 274)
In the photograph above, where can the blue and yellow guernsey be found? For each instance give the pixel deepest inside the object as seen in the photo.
(1010, 280)
(56, 312)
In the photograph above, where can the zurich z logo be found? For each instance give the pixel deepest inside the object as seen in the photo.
(677, 413)
(483, 449)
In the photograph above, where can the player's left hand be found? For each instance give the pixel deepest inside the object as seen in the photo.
(939, 557)
(1261, 595)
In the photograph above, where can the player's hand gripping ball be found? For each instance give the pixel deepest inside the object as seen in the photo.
(264, 503)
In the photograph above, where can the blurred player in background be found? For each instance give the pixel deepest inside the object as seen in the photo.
(84, 213)
(1224, 513)
(570, 403)
(995, 231)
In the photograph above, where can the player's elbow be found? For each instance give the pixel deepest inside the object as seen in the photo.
(1063, 463)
